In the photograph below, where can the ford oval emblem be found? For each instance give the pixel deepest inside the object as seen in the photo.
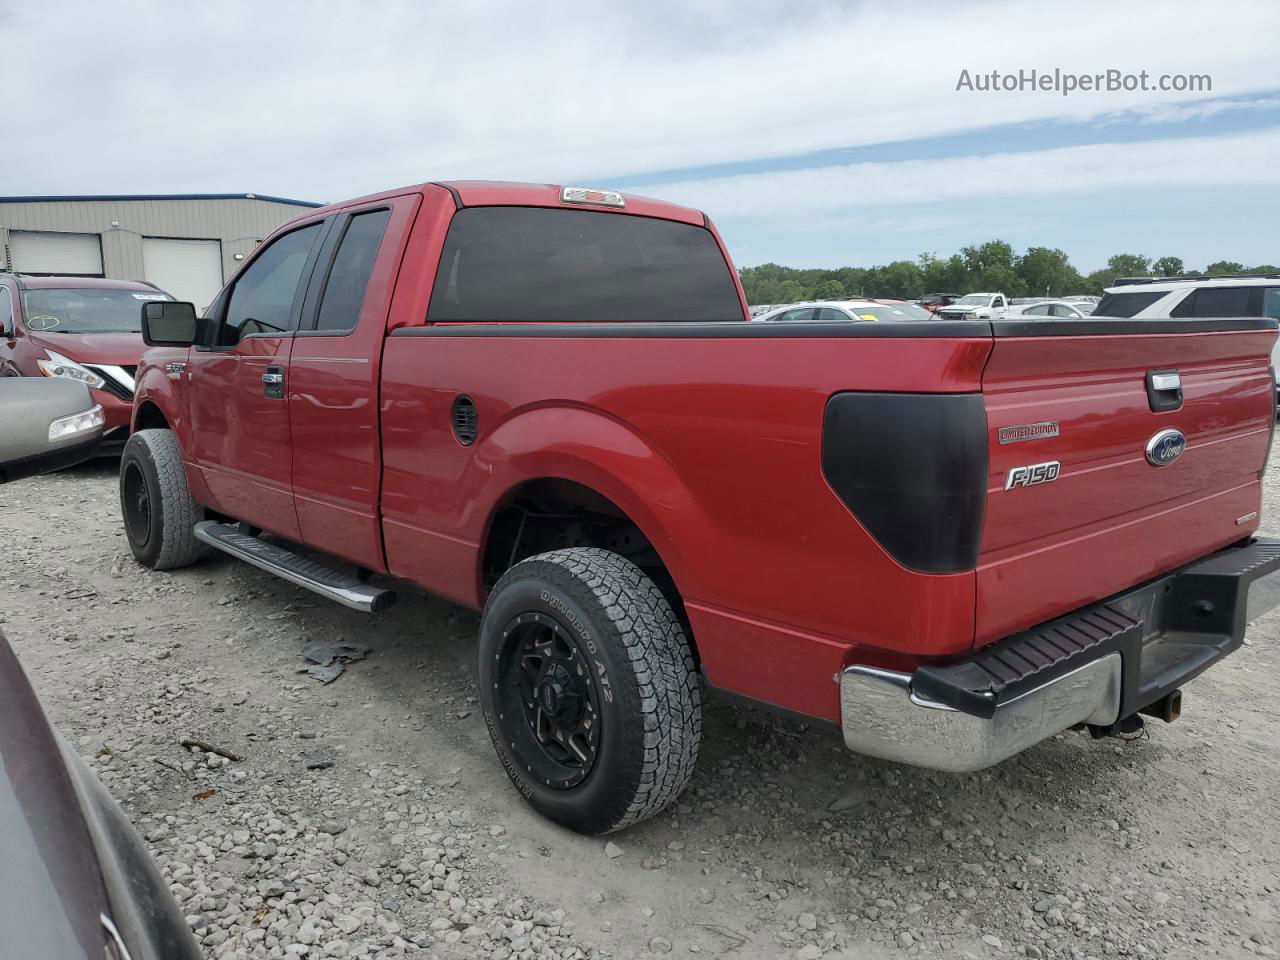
(1165, 447)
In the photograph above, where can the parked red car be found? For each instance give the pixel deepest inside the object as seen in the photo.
(83, 329)
(952, 538)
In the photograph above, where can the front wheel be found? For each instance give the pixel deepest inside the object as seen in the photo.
(158, 511)
(589, 689)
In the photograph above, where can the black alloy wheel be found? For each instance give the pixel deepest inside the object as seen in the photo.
(135, 500)
(547, 700)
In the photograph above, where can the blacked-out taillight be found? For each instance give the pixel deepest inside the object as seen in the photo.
(913, 469)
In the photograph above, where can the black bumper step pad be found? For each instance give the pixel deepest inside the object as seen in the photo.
(1181, 623)
(1026, 660)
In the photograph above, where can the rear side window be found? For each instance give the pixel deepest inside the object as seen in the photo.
(802, 315)
(1271, 303)
(1126, 304)
(543, 265)
(1220, 302)
(349, 276)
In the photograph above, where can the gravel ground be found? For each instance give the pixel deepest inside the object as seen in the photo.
(368, 817)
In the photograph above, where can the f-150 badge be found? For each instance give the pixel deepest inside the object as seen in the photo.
(1032, 474)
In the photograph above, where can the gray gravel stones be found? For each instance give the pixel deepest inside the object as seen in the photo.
(755, 860)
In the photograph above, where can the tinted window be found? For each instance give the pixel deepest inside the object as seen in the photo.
(349, 275)
(6, 310)
(831, 315)
(1038, 311)
(262, 299)
(1126, 304)
(549, 265)
(802, 315)
(1218, 302)
(1271, 303)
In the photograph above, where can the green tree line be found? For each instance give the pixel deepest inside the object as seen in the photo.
(993, 266)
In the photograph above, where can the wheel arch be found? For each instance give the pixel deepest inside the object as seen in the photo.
(147, 415)
(597, 470)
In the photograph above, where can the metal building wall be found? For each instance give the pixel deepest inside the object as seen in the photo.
(237, 222)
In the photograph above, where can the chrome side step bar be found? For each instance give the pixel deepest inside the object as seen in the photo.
(345, 588)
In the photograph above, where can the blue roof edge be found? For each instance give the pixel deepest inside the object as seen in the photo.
(161, 196)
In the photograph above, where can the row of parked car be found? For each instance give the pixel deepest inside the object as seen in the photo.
(971, 306)
(1137, 298)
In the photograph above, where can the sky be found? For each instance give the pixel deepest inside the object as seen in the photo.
(814, 134)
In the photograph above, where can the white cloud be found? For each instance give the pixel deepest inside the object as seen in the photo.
(1188, 163)
(324, 100)
(1193, 110)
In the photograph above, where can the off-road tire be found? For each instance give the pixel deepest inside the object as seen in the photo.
(159, 533)
(646, 682)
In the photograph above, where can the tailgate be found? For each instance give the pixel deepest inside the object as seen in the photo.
(1076, 508)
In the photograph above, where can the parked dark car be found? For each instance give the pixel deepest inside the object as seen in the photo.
(932, 301)
(76, 882)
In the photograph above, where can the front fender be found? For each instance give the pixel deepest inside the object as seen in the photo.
(161, 386)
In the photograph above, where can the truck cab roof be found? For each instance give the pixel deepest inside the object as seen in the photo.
(498, 193)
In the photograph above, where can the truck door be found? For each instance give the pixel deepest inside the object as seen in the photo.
(239, 381)
(335, 370)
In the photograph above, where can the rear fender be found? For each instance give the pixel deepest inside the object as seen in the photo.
(602, 454)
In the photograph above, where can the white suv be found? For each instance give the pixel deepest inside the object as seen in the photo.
(1194, 297)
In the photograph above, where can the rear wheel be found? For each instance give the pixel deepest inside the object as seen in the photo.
(156, 505)
(589, 689)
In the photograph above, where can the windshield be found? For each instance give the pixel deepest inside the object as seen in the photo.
(912, 312)
(86, 310)
(973, 300)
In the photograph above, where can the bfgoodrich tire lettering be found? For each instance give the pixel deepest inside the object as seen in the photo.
(643, 685)
(158, 511)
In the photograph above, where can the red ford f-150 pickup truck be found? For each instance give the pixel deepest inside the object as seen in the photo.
(952, 538)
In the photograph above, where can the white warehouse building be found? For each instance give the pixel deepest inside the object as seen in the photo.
(186, 244)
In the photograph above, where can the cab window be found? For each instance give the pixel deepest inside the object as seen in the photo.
(348, 278)
(262, 299)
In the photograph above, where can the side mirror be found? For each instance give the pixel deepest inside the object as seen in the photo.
(50, 423)
(168, 323)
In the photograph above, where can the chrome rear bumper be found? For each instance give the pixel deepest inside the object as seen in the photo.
(1096, 666)
(882, 717)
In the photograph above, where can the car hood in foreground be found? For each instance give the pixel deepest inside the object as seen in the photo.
(117, 349)
(68, 856)
(51, 893)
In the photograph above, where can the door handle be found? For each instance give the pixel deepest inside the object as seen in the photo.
(1164, 390)
(273, 383)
